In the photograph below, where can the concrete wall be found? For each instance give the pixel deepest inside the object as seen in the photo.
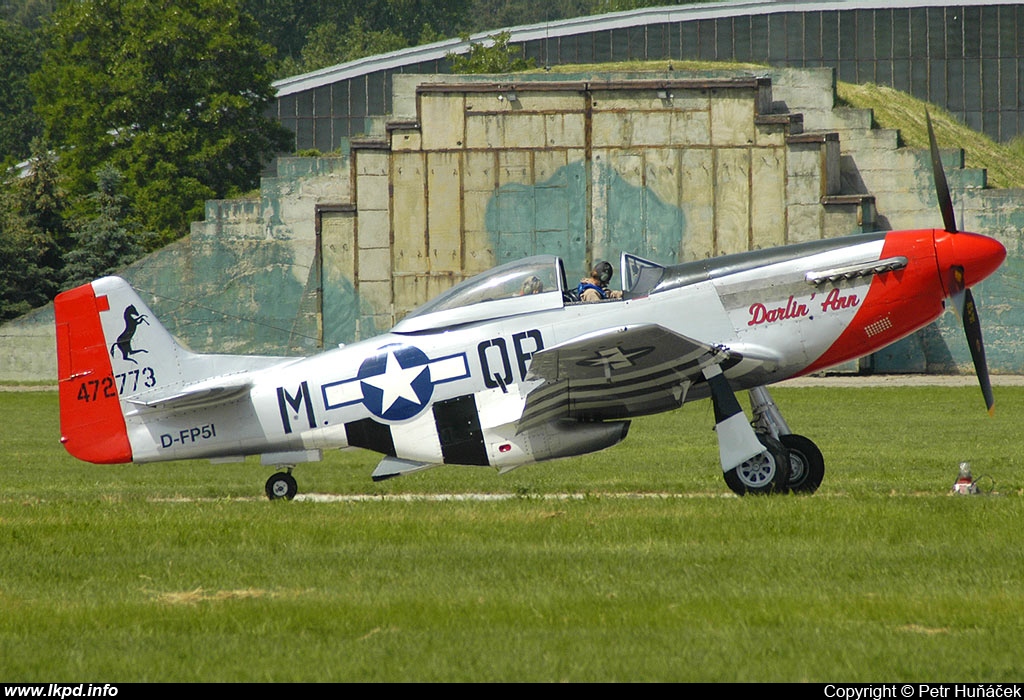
(463, 176)
(586, 166)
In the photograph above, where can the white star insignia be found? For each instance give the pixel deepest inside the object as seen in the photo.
(614, 358)
(396, 382)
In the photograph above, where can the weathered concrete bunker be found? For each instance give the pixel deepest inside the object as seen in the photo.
(469, 172)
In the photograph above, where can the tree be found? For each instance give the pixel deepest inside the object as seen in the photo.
(40, 199)
(18, 59)
(292, 26)
(327, 45)
(27, 13)
(33, 234)
(109, 240)
(172, 95)
(25, 282)
(499, 57)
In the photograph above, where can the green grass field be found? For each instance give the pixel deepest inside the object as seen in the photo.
(652, 571)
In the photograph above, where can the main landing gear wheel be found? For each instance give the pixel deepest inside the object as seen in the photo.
(806, 465)
(765, 473)
(282, 485)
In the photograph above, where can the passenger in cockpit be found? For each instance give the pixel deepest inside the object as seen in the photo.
(532, 285)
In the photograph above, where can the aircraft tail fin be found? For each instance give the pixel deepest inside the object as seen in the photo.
(110, 347)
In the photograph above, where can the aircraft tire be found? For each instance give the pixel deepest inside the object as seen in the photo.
(765, 474)
(807, 466)
(281, 485)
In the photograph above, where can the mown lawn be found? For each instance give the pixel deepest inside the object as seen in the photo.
(635, 564)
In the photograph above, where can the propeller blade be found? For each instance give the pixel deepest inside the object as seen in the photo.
(972, 327)
(957, 289)
(941, 186)
(960, 294)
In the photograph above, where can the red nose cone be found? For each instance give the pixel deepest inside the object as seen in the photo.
(978, 255)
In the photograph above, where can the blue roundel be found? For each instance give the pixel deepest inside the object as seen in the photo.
(396, 382)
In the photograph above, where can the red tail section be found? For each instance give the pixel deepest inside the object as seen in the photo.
(91, 423)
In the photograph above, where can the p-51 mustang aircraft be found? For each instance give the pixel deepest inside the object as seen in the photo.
(509, 368)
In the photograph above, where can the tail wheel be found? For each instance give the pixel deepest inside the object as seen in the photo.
(282, 485)
(807, 466)
(765, 473)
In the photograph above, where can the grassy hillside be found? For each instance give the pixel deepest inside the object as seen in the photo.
(898, 110)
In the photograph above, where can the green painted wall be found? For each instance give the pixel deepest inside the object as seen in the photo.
(551, 217)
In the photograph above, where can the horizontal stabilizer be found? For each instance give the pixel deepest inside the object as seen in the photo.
(201, 394)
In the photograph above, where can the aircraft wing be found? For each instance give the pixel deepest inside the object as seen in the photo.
(616, 373)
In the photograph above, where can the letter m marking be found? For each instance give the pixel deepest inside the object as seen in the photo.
(286, 401)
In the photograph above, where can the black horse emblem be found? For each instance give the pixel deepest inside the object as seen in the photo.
(132, 319)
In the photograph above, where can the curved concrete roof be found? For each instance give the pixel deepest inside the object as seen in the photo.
(581, 25)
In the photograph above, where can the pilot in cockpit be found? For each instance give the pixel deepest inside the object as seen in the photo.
(595, 287)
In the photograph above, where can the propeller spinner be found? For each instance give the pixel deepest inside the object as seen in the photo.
(964, 259)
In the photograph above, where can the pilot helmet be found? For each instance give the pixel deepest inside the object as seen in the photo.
(603, 271)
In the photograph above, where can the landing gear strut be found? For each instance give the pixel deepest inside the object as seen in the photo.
(807, 466)
(762, 456)
(282, 485)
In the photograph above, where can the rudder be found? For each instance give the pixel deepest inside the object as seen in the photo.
(109, 346)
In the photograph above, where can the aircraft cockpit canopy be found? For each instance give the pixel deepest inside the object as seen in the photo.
(639, 276)
(531, 284)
